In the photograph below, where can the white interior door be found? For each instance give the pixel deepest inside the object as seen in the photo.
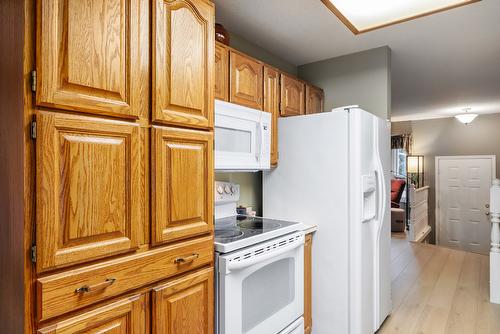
(463, 185)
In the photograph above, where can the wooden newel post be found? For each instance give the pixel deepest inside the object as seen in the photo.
(495, 242)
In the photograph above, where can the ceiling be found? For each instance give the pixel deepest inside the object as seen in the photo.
(440, 63)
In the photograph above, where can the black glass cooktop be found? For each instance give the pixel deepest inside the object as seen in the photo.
(236, 228)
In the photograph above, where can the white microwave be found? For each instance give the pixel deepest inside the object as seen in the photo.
(242, 138)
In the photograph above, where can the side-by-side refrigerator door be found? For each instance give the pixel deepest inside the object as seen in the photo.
(368, 229)
(383, 147)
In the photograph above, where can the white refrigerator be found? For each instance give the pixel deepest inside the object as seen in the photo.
(334, 172)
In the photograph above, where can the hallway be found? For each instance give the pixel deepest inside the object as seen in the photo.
(439, 290)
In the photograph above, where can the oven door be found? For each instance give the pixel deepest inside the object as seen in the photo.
(261, 288)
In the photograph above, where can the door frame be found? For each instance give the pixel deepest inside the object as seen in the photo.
(436, 180)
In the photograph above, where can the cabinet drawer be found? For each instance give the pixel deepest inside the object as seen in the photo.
(73, 289)
(126, 316)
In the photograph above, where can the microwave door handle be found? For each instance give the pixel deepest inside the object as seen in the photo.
(261, 143)
(259, 258)
(258, 133)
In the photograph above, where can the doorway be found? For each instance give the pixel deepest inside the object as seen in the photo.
(462, 202)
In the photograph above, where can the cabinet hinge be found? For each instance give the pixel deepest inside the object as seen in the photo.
(33, 81)
(33, 253)
(33, 129)
(279, 106)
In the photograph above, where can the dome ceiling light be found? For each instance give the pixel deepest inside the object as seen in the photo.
(466, 117)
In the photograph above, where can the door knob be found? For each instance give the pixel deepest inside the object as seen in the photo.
(487, 206)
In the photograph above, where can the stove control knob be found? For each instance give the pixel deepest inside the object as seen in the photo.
(220, 190)
(227, 189)
(233, 190)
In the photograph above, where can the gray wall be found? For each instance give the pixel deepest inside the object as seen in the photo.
(362, 78)
(243, 45)
(447, 136)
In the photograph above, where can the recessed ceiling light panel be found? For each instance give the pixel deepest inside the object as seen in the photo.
(366, 15)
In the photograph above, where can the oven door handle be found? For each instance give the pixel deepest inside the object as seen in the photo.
(260, 258)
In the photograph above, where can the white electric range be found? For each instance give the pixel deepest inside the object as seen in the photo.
(259, 270)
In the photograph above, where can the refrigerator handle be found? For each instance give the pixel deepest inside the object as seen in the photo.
(381, 207)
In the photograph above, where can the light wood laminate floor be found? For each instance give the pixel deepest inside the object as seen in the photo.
(439, 290)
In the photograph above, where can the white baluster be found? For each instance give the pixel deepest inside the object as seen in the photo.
(495, 233)
(495, 216)
(495, 242)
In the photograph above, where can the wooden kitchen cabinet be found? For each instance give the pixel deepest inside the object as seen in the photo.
(182, 183)
(271, 104)
(245, 80)
(292, 96)
(183, 62)
(308, 284)
(126, 316)
(184, 305)
(111, 195)
(88, 187)
(93, 56)
(315, 98)
(221, 89)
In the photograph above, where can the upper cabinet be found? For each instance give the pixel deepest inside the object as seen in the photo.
(182, 183)
(88, 189)
(271, 104)
(314, 99)
(245, 82)
(93, 56)
(183, 62)
(221, 72)
(293, 93)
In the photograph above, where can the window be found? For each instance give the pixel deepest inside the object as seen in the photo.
(399, 162)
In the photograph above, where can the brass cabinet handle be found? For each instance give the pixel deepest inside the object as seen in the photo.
(91, 288)
(187, 259)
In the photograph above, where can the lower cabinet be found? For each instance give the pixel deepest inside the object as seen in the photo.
(180, 305)
(126, 316)
(184, 305)
(308, 284)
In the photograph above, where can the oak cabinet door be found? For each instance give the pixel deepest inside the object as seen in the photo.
(245, 80)
(87, 189)
(292, 96)
(92, 56)
(221, 72)
(126, 316)
(182, 183)
(271, 104)
(185, 305)
(183, 62)
(314, 99)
